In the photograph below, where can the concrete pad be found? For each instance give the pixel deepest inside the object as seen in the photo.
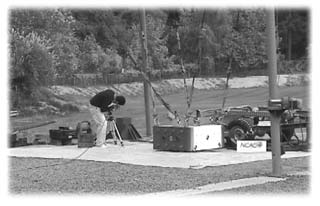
(139, 153)
(218, 187)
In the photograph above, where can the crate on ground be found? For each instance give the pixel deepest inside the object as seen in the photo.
(187, 139)
(62, 136)
(86, 140)
(123, 126)
(18, 139)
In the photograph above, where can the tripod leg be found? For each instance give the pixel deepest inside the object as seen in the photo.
(110, 129)
(118, 133)
(113, 133)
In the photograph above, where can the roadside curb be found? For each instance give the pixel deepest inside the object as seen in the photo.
(300, 173)
(219, 186)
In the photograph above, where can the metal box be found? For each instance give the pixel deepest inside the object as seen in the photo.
(123, 126)
(86, 140)
(187, 139)
(62, 134)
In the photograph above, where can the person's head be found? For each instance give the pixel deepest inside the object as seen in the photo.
(120, 100)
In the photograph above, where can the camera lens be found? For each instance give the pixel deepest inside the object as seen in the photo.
(121, 100)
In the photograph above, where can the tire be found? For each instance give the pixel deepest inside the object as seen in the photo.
(237, 131)
(288, 132)
(285, 135)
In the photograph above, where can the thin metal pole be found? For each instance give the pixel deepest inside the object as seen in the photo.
(146, 86)
(273, 93)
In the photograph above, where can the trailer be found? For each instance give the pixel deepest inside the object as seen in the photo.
(248, 123)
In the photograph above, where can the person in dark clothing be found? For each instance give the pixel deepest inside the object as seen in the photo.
(105, 101)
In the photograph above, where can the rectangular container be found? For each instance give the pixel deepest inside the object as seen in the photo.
(187, 139)
(61, 142)
(62, 134)
(86, 140)
(123, 124)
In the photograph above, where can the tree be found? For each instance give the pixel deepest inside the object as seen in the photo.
(236, 37)
(293, 30)
(106, 26)
(248, 33)
(94, 59)
(31, 65)
(44, 22)
(66, 52)
(54, 25)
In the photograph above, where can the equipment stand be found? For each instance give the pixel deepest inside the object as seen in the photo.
(112, 127)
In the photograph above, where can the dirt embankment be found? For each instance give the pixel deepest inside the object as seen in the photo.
(65, 98)
(174, 85)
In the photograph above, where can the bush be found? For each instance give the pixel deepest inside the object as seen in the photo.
(31, 65)
(293, 66)
(94, 59)
(66, 53)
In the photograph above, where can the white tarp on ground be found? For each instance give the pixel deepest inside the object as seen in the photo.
(143, 154)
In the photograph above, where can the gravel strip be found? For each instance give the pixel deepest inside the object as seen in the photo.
(80, 176)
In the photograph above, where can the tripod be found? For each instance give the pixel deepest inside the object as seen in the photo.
(112, 127)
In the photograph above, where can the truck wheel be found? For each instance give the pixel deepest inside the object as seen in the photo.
(288, 132)
(237, 131)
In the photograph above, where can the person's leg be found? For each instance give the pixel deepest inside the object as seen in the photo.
(101, 123)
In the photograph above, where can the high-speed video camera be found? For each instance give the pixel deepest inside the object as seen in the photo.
(112, 108)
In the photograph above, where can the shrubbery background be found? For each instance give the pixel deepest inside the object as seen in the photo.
(88, 47)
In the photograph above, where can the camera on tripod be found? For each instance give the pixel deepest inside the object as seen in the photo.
(111, 108)
(111, 124)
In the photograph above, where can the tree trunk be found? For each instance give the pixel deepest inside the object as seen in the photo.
(289, 52)
(146, 69)
(124, 62)
(212, 66)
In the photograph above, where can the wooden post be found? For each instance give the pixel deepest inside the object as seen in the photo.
(146, 86)
(273, 93)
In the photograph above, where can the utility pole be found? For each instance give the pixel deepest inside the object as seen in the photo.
(273, 93)
(146, 86)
